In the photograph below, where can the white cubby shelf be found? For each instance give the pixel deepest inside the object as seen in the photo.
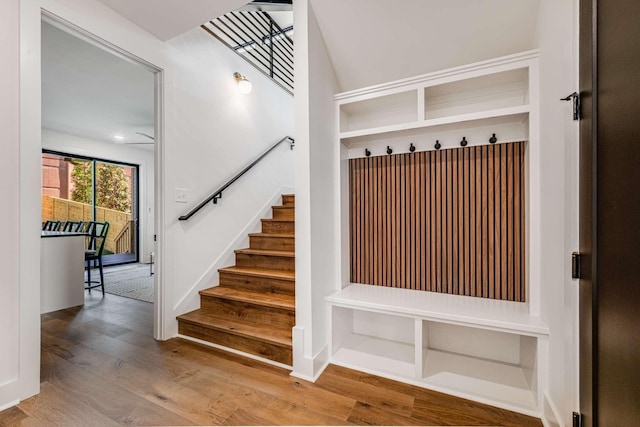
(485, 350)
(518, 114)
(481, 99)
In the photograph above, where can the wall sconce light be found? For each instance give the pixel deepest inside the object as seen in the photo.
(244, 85)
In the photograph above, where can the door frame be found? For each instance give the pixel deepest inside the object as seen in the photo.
(158, 190)
(609, 209)
(588, 137)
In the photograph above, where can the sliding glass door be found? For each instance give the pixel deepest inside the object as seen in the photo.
(85, 189)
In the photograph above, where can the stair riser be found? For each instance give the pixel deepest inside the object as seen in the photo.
(272, 243)
(229, 339)
(284, 212)
(256, 314)
(265, 261)
(252, 283)
(275, 227)
(288, 200)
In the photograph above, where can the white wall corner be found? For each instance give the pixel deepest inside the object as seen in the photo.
(302, 365)
(305, 367)
(558, 198)
(10, 303)
(9, 393)
(30, 185)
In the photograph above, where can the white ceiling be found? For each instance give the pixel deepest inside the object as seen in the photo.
(168, 18)
(376, 41)
(89, 92)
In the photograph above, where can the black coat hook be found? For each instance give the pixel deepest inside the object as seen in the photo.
(493, 139)
(389, 150)
(412, 147)
(367, 152)
(437, 146)
(464, 141)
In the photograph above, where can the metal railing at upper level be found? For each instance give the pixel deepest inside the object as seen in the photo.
(218, 193)
(257, 37)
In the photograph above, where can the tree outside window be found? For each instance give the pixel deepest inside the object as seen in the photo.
(112, 186)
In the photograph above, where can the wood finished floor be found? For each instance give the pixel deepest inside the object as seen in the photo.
(100, 367)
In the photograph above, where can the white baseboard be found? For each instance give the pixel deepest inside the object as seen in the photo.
(9, 405)
(308, 368)
(312, 379)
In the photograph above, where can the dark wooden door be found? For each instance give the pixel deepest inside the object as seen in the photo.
(610, 212)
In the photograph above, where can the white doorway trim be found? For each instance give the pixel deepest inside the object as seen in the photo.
(159, 289)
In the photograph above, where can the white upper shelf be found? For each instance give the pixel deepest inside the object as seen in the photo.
(519, 113)
(499, 88)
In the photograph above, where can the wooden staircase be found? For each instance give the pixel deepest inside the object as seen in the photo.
(253, 308)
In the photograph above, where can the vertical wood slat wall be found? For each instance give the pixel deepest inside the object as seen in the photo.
(449, 221)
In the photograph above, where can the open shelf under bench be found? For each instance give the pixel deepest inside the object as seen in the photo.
(486, 350)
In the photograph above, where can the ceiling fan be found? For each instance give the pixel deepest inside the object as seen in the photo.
(143, 143)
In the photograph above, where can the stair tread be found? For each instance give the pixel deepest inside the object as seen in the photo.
(266, 299)
(277, 220)
(260, 272)
(288, 235)
(249, 251)
(283, 207)
(272, 335)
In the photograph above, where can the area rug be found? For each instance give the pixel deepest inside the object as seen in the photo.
(129, 281)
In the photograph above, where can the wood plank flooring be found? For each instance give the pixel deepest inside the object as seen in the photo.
(101, 367)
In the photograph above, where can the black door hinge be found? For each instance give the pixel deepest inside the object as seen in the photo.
(155, 238)
(575, 265)
(577, 419)
(575, 97)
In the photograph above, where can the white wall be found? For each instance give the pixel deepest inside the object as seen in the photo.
(209, 131)
(73, 144)
(19, 376)
(317, 196)
(557, 40)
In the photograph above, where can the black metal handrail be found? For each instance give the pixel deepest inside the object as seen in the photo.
(218, 193)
